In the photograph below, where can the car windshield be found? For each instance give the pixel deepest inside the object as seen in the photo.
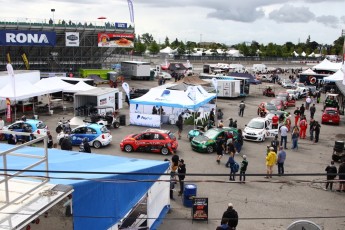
(104, 129)
(331, 112)
(211, 134)
(256, 124)
(271, 107)
(41, 125)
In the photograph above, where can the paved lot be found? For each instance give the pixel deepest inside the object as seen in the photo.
(261, 203)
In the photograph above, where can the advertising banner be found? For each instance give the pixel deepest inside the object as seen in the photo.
(148, 120)
(200, 209)
(27, 38)
(115, 40)
(72, 38)
(120, 25)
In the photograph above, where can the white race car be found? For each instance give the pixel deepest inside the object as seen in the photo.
(258, 129)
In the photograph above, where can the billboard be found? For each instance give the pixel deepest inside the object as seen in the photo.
(115, 40)
(120, 25)
(72, 38)
(27, 38)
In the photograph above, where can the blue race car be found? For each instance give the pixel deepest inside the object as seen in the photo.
(98, 135)
(29, 126)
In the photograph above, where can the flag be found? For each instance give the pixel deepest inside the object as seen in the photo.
(131, 10)
(8, 108)
(25, 58)
(125, 87)
(8, 56)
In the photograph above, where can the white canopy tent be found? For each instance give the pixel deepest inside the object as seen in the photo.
(308, 71)
(80, 86)
(167, 50)
(53, 84)
(22, 90)
(327, 66)
(337, 76)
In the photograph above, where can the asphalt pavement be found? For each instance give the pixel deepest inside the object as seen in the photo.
(261, 203)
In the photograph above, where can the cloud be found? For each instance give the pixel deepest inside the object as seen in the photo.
(237, 14)
(328, 20)
(342, 19)
(291, 14)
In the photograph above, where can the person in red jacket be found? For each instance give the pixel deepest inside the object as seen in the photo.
(303, 125)
(275, 121)
(297, 114)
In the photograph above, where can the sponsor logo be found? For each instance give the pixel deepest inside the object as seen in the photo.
(72, 37)
(26, 38)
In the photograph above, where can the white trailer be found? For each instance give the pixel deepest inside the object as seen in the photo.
(227, 88)
(136, 69)
(259, 68)
(99, 97)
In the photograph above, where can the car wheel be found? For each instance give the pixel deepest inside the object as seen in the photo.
(210, 149)
(97, 144)
(164, 151)
(116, 125)
(128, 148)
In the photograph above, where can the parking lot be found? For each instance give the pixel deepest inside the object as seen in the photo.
(261, 203)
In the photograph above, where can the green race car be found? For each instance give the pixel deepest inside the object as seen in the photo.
(207, 141)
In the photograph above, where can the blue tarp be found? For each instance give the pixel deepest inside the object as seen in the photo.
(99, 200)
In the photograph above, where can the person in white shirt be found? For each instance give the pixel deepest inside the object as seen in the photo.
(307, 102)
(2, 123)
(283, 135)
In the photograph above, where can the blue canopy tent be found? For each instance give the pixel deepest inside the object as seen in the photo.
(107, 195)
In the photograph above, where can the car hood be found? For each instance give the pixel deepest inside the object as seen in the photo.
(200, 139)
(251, 130)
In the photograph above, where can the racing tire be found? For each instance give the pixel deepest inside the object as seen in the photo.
(164, 151)
(97, 144)
(128, 148)
(116, 125)
(210, 149)
(58, 129)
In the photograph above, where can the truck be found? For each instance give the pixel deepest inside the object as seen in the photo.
(84, 101)
(136, 70)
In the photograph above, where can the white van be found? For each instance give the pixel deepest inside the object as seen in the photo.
(259, 68)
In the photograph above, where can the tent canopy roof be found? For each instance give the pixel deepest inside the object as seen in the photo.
(80, 86)
(22, 90)
(339, 75)
(327, 65)
(53, 84)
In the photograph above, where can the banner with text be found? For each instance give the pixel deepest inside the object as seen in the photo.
(147, 120)
(72, 38)
(115, 40)
(27, 38)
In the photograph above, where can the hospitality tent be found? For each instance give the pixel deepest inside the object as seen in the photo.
(80, 86)
(327, 66)
(308, 71)
(337, 76)
(167, 50)
(104, 186)
(22, 90)
(53, 84)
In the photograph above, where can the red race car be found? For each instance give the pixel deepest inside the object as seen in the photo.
(279, 103)
(288, 100)
(330, 115)
(151, 140)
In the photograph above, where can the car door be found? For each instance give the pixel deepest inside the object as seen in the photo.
(91, 134)
(144, 141)
(270, 133)
(16, 127)
(77, 135)
(158, 142)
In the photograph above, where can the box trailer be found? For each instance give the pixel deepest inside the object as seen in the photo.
(98, 97)
(136, 70)
(228, 88)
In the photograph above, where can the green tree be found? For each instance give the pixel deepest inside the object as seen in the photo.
(166, 42)
(181, 49)
(154, 48)
(139, 47)
(175, 44)
(147, 38)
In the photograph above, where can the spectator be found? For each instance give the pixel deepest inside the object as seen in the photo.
(303, 125)
(271, 160)
(275, 121)
(294, 137)
(50, 140)
(281, 160)
(220, 114)
(239, 141)
(242, 106)
(307, 102)
(179, 124)
(311, 129)
(302, 109)
(317, 128)
(154, 110)
(312, 111)
(2, 123)
(297, 114)
(341, 172)
(243, 169)
(275, 143)
(231, 216)
(231, 123)
(66, 143)
(220, 148)
(331, 174)
(181, 170)
(223, 225)
(283, 135)
(212, 116)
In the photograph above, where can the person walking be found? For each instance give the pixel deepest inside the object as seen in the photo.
(275, 143)
(239, 141)
(303, 125)
(307, 102)
(211, 118)
(243, 169)
(281, 160)
(231, 216)
(181, 170)
(341, 172)
(242, 106)
(311, 129)
(331, 175)
(220, 115)
(294, 137)
(283, 135)
(179, 124)
(297, 114)
(231, 163)
(312, 111)
(271, 160)
(301, 110)
(275, 121)
(50, 140)
(317, 128)
(318, 97)
(220, 148)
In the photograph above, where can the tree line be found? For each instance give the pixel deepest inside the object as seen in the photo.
(146, 42)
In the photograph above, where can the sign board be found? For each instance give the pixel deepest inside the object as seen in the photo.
(72, 38)
(200, 209)
(27, 38)
(148, 120)
(120, 25)
(115, 40)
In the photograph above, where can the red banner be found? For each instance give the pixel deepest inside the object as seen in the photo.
(115, 40)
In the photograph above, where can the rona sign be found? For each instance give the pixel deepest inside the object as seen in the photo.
(27, 38)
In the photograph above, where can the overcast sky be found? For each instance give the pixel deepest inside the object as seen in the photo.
(224, 21)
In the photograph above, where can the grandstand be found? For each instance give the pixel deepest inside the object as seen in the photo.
(71, 45)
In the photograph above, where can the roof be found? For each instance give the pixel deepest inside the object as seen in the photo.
(157, 130)
(97, 91)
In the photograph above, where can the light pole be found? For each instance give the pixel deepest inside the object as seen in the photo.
(53, 11)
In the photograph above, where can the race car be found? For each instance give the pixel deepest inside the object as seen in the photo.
(279, 103)
(98, 135)
(258, 129)
(151, 140)
(330, 115)
(29, 125)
